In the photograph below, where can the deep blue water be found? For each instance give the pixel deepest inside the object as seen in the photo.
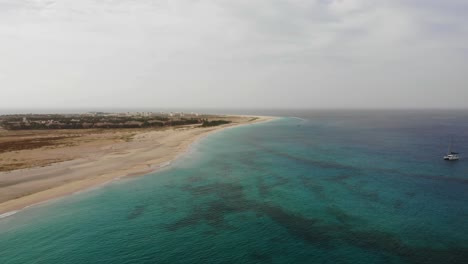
(332, 187)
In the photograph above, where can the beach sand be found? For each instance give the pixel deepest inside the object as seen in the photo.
(77, 162)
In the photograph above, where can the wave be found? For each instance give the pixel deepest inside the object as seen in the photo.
(8, 214)
(164, 164)
(302, 119)
(160, 165)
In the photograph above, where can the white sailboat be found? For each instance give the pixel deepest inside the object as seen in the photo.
(450, 154)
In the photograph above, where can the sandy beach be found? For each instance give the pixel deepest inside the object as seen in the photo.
(78, 162)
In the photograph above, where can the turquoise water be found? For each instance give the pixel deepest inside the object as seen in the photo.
(332, 187)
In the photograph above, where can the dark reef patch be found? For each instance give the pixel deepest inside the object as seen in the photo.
(358, 190)
(222, 190)
(313, 186)
(341, 216)
(229, 198)
(265, 188)
(318, 234)
(339, 178)
(194, 179)
(398, 204)
(137, 211)
(261, 257)
(310, 162)
(297, 225)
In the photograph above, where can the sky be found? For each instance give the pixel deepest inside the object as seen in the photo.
(234, 53)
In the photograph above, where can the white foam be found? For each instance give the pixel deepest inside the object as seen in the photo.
(8, 214)
(299, 118)
(157, 166)
(164, 164)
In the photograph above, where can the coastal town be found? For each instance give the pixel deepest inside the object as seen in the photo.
(106, 120)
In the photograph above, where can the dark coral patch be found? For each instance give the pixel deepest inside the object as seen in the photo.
(137, 211)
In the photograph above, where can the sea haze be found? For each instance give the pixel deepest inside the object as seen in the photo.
(311, 187)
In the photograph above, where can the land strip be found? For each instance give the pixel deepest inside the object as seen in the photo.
(39, 165)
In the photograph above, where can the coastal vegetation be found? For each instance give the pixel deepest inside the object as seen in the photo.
(207, 123)
(103, 120)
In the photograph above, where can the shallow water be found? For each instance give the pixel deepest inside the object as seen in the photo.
(332, 187)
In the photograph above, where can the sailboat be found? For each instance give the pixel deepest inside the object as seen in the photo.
(450, 154)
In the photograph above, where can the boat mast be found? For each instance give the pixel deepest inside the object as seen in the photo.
(450, 146)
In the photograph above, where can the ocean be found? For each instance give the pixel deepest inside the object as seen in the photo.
(309, 187)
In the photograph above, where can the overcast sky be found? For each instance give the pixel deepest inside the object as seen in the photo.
(233, 53)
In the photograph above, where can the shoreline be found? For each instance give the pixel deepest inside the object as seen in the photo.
(139, 167)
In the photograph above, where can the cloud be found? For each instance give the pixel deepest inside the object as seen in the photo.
(289, 53)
